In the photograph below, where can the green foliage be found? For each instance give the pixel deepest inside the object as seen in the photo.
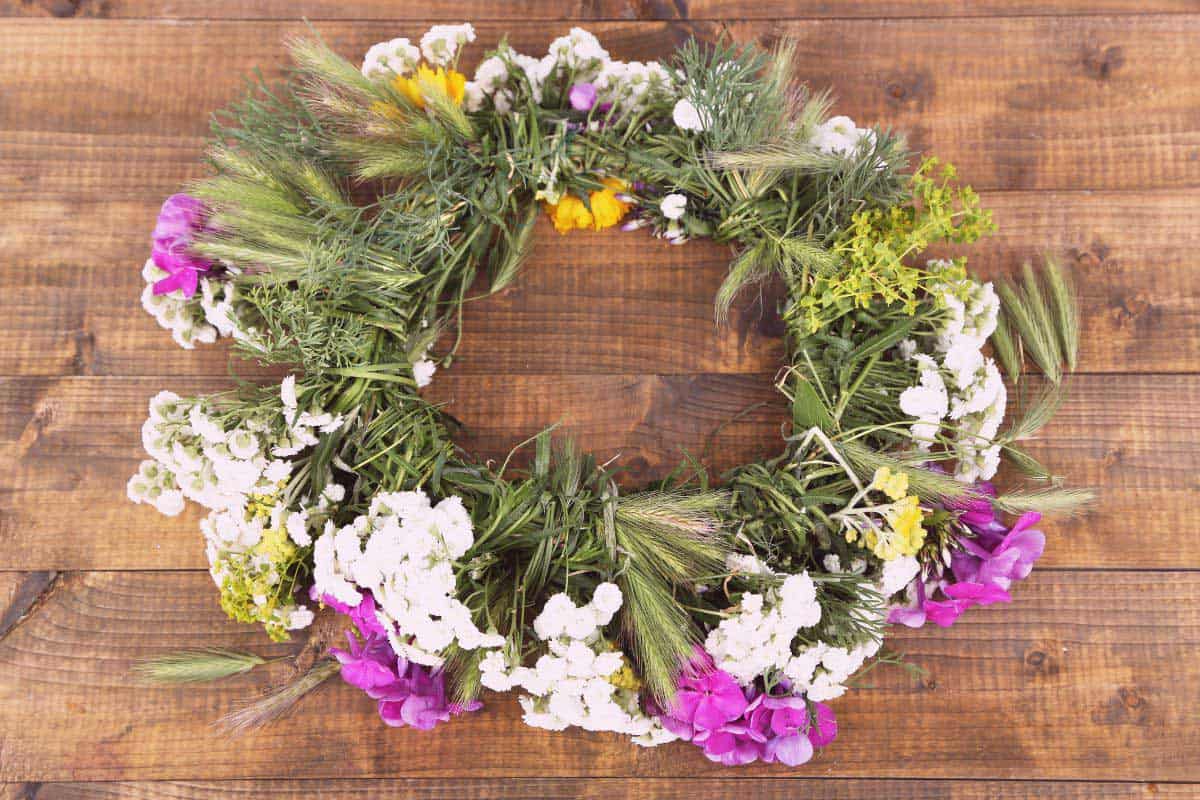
(873, 251)
(1044, 312)
(195, 666)
(353, 223)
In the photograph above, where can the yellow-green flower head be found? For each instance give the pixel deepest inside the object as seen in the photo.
(893, 484)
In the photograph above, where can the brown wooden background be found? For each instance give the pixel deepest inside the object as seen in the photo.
(1079, 122)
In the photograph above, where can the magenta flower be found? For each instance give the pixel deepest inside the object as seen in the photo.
(734, 726)
(409, 694)
(824, 728)
(963, 596)
(1011, 559)
(706, 697)
(984, 565)
(364, 617)
(582, 96)
(367, 665)
(179, 220)
(418, 700)
(329, 601)
(789, 743)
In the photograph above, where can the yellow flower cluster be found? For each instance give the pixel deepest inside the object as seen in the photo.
(904, 535)
(426, 80)
(625, 678)
(893, 484)
(571, 213)
(258, 581)
(908, 534)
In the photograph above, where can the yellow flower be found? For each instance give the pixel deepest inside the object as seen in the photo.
(905, 520)
(275, 545)
(606, 208)
(625, 678)
(893, 484)
(452, 84)
(570, 213)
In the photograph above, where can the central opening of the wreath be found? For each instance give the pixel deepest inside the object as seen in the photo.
(612, 335)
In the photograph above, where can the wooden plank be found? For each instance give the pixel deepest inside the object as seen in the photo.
(602, 789)
(1099, 663)
(67, 447)
(1066, 103)
(579, 11)
(598, 303)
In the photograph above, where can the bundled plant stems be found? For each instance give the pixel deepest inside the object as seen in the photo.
(348, 213)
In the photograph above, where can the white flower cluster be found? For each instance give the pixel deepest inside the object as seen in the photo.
(423, 371)
(441, 43)
(687, 116)
(576, 682)
(182, 316)
(504, 77)
(897, 574)
(388, 59)
(840, 137)
(239, 530)
(966, 387)
(214, 310)
(758, 639)
(249, 547)
(194, 456)
(439, 46)
(820, 671)
(928, 401)
(403, 550)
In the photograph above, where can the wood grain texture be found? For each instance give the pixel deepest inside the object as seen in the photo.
(60, 456)
(1080, 123)
(1067, 102)
(1099, 663)
(607, 303)
(600, 789)
(575, 11)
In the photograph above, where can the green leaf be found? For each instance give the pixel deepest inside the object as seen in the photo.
(808, 410)
(883, 341)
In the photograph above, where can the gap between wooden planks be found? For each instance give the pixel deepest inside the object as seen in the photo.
(1090, 676)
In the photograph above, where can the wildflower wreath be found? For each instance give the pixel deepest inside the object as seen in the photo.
(348, 212)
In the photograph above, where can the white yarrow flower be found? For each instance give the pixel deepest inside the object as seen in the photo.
(423, 371)
(673, 206)
(441, 43)
(689, 118)
(388, 59)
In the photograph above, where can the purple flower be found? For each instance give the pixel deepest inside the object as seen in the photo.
(367, 665)
(364, 617)
(582, 96)
(963, 596)
(409, 694)
(824, 728)
(1010, 559)
(734, 727)
(328, 600)
(984, 565)
(706, 697)
(789, 742)
(179, 220)
(418, 700)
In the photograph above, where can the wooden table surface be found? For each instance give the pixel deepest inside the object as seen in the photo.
(1079, 123)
